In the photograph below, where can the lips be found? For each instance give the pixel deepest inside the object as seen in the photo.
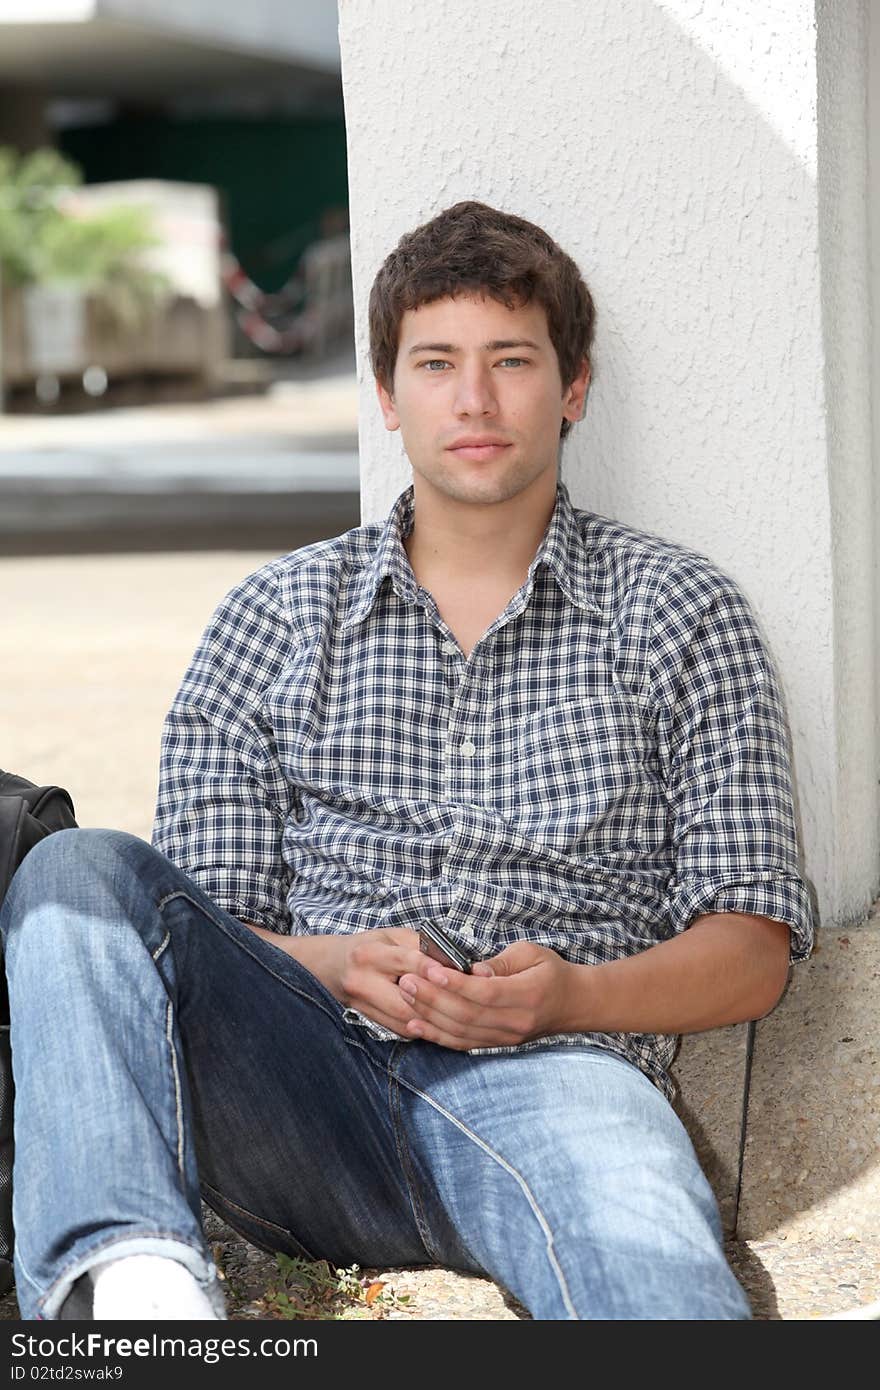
(478, 447)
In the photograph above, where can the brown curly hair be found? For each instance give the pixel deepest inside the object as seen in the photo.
(473, 248)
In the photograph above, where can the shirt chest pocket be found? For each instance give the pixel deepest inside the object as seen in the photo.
(585, 776)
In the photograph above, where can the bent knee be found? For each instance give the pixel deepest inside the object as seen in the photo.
(66, 868)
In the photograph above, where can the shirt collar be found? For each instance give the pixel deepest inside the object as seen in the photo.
(389, 562)
(562, 551)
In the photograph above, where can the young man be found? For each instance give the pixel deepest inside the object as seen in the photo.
(554, 738)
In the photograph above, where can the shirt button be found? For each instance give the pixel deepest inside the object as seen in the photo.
(449, 648)
(467, 933)
(468, 749)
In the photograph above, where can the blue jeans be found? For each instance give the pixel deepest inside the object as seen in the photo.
(163, 1052)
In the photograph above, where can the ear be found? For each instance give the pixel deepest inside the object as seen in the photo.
(386, 405)
(574, 397)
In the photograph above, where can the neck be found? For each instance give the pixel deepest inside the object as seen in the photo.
(460, 543)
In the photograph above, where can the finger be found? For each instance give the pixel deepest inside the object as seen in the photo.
(447, 999)
(446, 977)
(521, 955)
(426, 1030)
(457, 1015)
(463, 1003)
(385, 959)
(381, 1001)
(460, 1020)
(431, 969)
(387, 1008)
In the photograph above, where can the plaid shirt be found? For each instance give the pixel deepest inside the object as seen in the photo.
(608, 764)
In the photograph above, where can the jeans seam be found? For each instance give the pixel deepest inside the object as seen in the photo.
(23, 1267)
(518, 1178)
(178, 1097)
(294, 989)
(162, 946)
(403, 1155)
(269, 1226)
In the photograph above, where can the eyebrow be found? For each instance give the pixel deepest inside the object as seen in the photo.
(497, 345)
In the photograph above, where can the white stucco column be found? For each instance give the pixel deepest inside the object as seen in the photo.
(705, 163)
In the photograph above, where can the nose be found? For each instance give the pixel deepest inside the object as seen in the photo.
(474, 391)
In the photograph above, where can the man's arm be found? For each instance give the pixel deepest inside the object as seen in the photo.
(728, 967)
(223, 797)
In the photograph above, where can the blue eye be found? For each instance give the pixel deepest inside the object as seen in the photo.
(434, 362)
(516, 361)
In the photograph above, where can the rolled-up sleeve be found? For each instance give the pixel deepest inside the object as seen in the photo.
(223, 799)
(723, 750)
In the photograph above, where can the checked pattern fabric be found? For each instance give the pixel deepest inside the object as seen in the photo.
(608, 764)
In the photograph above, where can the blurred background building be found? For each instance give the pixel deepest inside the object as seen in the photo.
(193, 157)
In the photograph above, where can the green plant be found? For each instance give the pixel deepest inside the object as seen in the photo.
(317, 1290)
(43, 240)
(30, 186)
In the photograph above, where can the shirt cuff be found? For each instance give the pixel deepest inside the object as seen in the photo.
(784, 897)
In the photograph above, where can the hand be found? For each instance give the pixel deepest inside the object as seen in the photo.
(526, 991)
(361, 970)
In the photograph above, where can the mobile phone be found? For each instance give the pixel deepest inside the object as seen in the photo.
(434, 942)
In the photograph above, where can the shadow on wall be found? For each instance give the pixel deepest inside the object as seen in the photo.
(812, 1137)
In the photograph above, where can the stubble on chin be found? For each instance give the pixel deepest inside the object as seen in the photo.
(487, 489)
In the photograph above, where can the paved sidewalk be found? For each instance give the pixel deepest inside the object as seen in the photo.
(100, 643)
(280, 457)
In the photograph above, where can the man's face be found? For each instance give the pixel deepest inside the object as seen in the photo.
(478, 398)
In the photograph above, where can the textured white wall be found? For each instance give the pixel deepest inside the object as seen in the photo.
(842, 53)
(874, 274)
(672, 148)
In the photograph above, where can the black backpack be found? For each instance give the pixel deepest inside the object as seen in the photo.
(27, 814)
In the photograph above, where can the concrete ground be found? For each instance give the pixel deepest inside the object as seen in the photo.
(276, 466)
(96, 644)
